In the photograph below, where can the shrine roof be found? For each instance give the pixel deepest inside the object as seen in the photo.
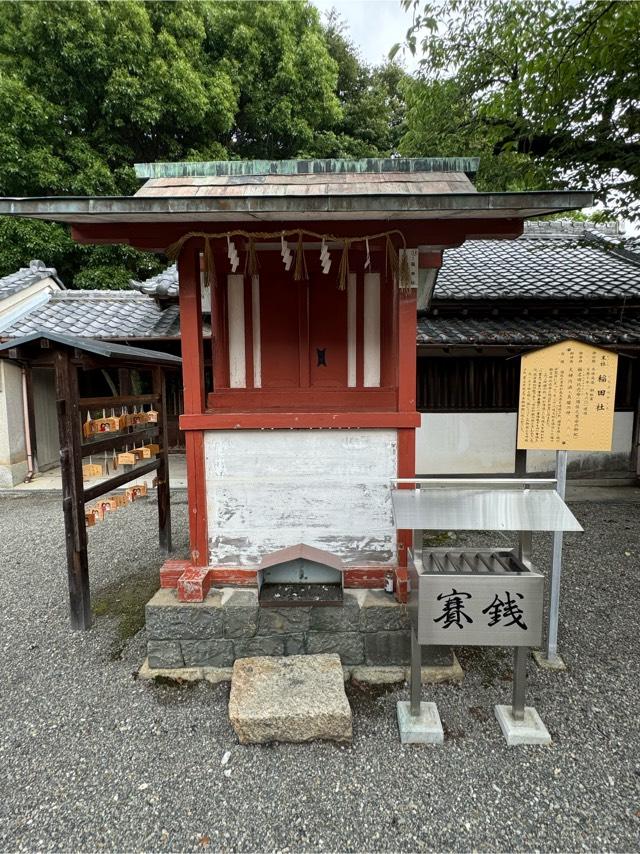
(101, 314)
(246, 191)
(327, 184)
(554, 260)
(527, 330)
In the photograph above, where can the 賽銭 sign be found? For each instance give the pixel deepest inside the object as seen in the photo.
(482, 610)
(567, 397)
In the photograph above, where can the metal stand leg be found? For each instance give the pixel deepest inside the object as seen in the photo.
(520, 657)
(556, 566)
(416, 674)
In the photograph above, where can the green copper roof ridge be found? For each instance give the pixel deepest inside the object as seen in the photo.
(223, 168)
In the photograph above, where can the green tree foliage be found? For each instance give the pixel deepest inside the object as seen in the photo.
(89, 88)
(547, 91)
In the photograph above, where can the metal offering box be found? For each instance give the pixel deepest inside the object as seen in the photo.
(475, 598)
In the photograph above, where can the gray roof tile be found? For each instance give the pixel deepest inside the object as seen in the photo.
(26, 276)
(527, 330)
(165, 284)
(101, 314)
(567, 262)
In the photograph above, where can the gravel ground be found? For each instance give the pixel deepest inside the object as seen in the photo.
(92, 759)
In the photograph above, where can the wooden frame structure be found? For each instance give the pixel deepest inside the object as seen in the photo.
(68, 355)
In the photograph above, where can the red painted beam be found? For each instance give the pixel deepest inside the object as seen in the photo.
(158, 235)
(194, 583)
(299, 420)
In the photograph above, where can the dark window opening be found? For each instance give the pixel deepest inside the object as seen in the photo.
(492, 383)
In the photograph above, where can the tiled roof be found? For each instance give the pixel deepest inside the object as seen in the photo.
(100, 314)
(563, 263)
(26, 276)
(527, 330)
(165, 284)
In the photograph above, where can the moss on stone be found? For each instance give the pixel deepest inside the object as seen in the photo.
(124, 600)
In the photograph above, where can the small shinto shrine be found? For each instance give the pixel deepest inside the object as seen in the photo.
(300, 410)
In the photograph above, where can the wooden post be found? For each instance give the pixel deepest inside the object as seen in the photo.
(194, 397)
(69, 427)
(162, 475)
(124, 381)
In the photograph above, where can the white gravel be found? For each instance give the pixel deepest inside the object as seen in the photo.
(92, 759)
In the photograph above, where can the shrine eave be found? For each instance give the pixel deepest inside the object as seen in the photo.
(166, 209)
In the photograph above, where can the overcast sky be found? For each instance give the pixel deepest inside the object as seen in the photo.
(374, 25)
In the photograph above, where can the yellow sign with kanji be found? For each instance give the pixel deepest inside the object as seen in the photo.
(567, 398)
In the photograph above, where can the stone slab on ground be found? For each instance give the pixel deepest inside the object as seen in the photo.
(295, 698)
(214, 675)
(531, 730)
(545, 663)
(425, 728)
(452, 673)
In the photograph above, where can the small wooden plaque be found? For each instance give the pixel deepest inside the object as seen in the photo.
(91, 470)
(106, 425)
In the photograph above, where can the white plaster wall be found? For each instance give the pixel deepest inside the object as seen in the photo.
(267, 489)
(465, 443)
(484, 443)
(13, 454)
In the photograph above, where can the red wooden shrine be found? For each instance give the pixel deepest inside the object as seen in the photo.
(309, 410)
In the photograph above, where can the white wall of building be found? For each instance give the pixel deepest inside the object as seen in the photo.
(268, 489)
(485, 442)
(13, 453)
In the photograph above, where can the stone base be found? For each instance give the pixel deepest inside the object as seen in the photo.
(214, 675)
(545, 663)
(299, 698)
(531, 730)
(423, 729)
(11, 474)
(369, 629)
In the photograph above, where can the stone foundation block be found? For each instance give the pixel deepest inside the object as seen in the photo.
(273, 621)
(162, 653)
(241, 614)
(531, 730)
(294, 644)
(298, 699)
(341, 619)
(425, 728)
(387, 648)
(348, 645)
(168, 619)
(381, 613)
(250, 647)
(438, 656)
(208, 653)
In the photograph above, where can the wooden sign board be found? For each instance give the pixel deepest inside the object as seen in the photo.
(567, 397)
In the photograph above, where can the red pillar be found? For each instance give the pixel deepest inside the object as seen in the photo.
(194, 397)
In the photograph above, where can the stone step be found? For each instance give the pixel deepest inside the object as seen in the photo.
(296, 698)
